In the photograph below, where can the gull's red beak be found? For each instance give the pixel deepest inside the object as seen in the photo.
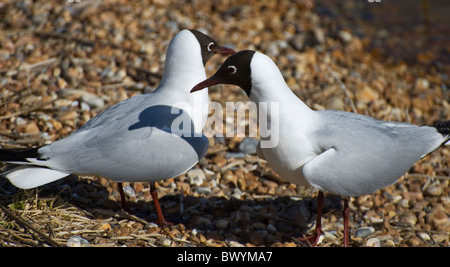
(205, 84)
(224, 50)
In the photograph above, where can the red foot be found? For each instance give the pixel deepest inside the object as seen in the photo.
(313, 239)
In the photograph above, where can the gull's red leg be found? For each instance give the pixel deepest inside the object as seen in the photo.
(154, 193)
(122, 197)
(314, 238)
(345, 213)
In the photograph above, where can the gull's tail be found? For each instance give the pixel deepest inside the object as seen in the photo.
(19, 155)
(26, 175)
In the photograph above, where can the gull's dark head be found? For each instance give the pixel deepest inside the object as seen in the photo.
(235, 70)
(209, 47)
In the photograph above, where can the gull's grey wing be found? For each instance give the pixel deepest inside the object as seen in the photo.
(138, 147)
(359, 148)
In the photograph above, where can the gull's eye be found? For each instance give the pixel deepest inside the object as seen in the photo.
(210, 46)
(231, 69)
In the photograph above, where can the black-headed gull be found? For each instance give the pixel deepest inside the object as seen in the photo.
(334, 151)
(132, 141)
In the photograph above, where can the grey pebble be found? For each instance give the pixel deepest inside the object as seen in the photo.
(364, 232)
(248, 145)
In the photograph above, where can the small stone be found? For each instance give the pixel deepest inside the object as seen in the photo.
(202, 238)
(222, 223)
(203, 190)
(77, 241)
(196, 177)
(228, 177)
(434, 190)
(235, 244)
(220, 161)
(248, 145)
(330, 235)
(422, 84)
(125, 229)
(345, 36)
(414, 241)
(151, 225)
(364, 232)
(164, 242)
(28, 128)
(67, 115)
(256, 239)
(110, 204)
(438, 218)
(424, 236)
(201, 220)
(409, 219)
(128, 190)
(138, 187)
(103, 226)
(376, 219)
(271, 228)
(373, 242)
(93, 101)
(366, 94)
(259, 226)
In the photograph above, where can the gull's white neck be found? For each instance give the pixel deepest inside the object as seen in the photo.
(183, 69)
(268, 85)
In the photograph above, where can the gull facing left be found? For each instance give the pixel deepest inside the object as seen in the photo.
(133, 140)
(339, 152)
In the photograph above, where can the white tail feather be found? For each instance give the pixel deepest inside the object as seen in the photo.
(27, 177)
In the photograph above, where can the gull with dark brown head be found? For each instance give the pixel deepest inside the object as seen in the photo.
(339, 152)
(138, 139)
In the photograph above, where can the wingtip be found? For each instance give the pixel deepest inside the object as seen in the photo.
(443, 127)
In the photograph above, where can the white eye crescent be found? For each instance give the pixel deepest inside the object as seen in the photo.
(210, 46)
(231, 69)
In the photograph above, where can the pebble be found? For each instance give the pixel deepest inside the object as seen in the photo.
(373, 242)
(434, 190)
(259, 226)
(256, 239)
(438, 218)
(271, 228)
(364, 232)
(235, 244)
(93, 101)
(248, 145)
(28, 128)
(77, 241)
(164, 242)
(414, 241)
(222, 223)
(235, 155)
(129, 191)
(203, 190)
(196, 177)
(409, 219)
(228, 177)
(103, 226)
(424, 236)
(345, 36)
(330, 235)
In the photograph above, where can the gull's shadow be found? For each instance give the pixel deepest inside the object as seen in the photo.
(172, 120)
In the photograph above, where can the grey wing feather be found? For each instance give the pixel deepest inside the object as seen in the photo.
(361, 154)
